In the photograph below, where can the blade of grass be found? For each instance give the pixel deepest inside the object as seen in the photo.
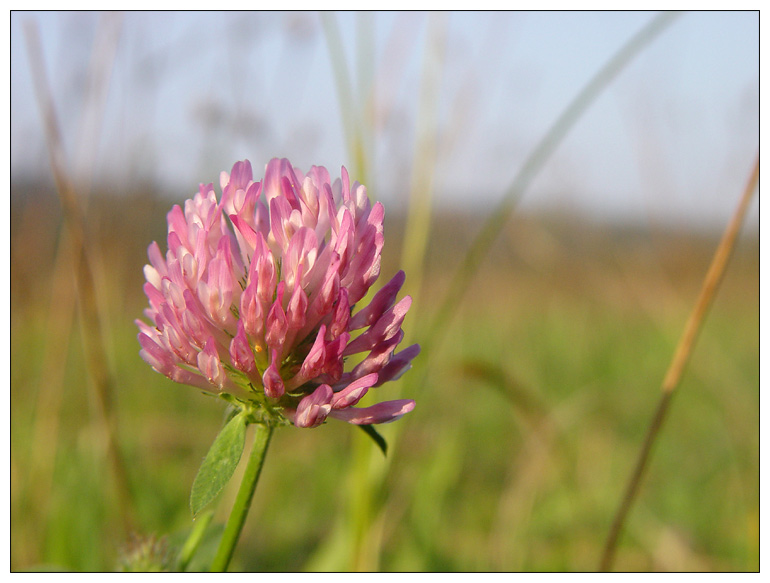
(95, 99)
(194, 539)
(678, 362)
(418, 217)
(364, 519)
(355, 522)
(365, 70)
(91, 324)
(61, 310)
(369, 511)
(45, 434)
(531, 168)
(348, 112)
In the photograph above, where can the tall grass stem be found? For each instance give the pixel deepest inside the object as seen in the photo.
(351, 121)
(45, 433)
(418, 220)
(93, 340)
(678, 362)
(531, 168)
(62, 303)
(234, 526)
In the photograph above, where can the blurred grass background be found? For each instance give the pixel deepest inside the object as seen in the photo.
(533, 409)
(530, 409)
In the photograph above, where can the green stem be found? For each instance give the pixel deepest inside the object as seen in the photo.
(194, 540)
(232, 533)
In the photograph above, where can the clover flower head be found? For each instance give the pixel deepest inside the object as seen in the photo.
(256, 297)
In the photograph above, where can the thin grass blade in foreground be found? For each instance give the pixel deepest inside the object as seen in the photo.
(93, 340)
(532, 167)
(362, 523)
(368, 513)
(63, 294)
(419, 216)
(351, 117)
(679, 361)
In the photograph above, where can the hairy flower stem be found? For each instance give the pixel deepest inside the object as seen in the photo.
(262, 434)
(679, 360)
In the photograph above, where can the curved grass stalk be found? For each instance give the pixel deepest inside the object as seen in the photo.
(359, 522)
(50, 396)
(678, 362)
(62, 307)
(368, 469)
(350, 118)
(418, 218)
(531, 168)
(91, 323)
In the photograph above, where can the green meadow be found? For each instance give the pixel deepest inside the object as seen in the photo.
(532, 404)
(545, 337)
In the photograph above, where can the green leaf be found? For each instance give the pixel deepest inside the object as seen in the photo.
(220, 463)
(378, 439)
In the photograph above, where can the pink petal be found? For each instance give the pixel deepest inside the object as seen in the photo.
(313, 363)
(264, 271)
(245, 229)
(381, 301)
(386, 327)
(273, 383)
(398, 365)
(341, 316)
(353, 393)
(384, 412)
(241, 354)
(251, 313)
(313, 409)
(276, 324)
(210, 365)
(296, 311)
(378, 358)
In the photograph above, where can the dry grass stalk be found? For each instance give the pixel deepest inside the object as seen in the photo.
(679, 361)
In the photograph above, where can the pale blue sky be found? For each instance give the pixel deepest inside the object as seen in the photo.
(674, 137)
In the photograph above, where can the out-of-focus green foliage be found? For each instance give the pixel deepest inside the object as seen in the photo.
(529, 413)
